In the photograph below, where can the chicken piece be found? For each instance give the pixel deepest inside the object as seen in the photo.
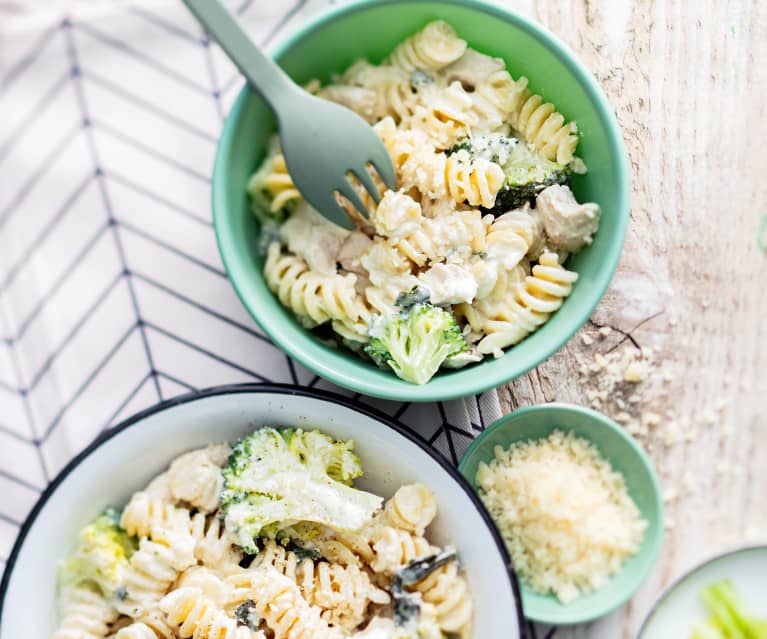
(472, 68)
(360, 100)
(354, 247)
(569, 225)
(397, 215)
(312, 237)
(449, 284)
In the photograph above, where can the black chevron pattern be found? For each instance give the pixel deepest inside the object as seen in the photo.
(112, 293)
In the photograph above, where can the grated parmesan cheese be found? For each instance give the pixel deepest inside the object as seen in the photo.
(564, 513)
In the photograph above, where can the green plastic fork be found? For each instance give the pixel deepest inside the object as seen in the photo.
(323, 142)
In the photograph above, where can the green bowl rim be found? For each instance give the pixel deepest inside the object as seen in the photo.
(473, 379)
(657, 531)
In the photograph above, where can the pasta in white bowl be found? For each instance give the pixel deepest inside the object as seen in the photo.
(467, 258)
(318, 553)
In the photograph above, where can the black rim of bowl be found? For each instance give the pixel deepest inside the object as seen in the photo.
(279, 389)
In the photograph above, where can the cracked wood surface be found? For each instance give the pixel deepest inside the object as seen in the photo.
(688, 81)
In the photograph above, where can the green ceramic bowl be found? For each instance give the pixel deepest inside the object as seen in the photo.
(625, 456)
(330, 43)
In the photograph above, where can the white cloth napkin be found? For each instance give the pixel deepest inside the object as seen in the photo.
(112, 293)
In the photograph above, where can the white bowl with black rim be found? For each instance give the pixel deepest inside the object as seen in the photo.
(680, 606)
(126, 457)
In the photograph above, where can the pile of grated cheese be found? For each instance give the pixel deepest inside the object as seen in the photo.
(564, 513)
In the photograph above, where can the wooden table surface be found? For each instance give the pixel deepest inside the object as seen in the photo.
(688, 81)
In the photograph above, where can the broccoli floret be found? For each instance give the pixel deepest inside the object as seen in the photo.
(527, 172)
(276, 478)
(102, 555)
(415, 342)
(336, 458)
(524, 180)
(494, 147)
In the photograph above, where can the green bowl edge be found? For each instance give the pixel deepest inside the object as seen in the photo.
(658, 532)
(481, 382)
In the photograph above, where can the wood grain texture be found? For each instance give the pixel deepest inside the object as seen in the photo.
(688, 82)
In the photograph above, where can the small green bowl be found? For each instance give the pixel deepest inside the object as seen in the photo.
(626, 456)
(328, 44)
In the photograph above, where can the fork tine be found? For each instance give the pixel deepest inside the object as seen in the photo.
(384, 166)
(347, 190)
(369, 183)
(334, 212)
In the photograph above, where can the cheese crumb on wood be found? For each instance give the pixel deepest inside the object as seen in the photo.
(634, 372)
(564, 513)
(620, 383)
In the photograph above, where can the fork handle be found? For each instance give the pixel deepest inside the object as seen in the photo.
(271, 82)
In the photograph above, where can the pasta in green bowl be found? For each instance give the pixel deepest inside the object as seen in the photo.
(504, 232)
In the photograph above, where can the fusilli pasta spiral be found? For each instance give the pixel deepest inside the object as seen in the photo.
(342, 592)
(492, 307)
(287, 614)
(514, 235)
(390, 86)
(534, 301)
(544, 127)
(401, 143)
(461, 232)
(496, 97)
(433, 47)
(85, 614)
(212, 546)
(473, 180)
(137, 630)
(272, 182)
(194, 615)
(445, 115)
(424, 172)
(311, 296)
(152, 570)
(448, 592)
(411, 508)
(154, 619)
(353, 333)
(210, 582)
(148, 516)
(393, 548)
(389, 272)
